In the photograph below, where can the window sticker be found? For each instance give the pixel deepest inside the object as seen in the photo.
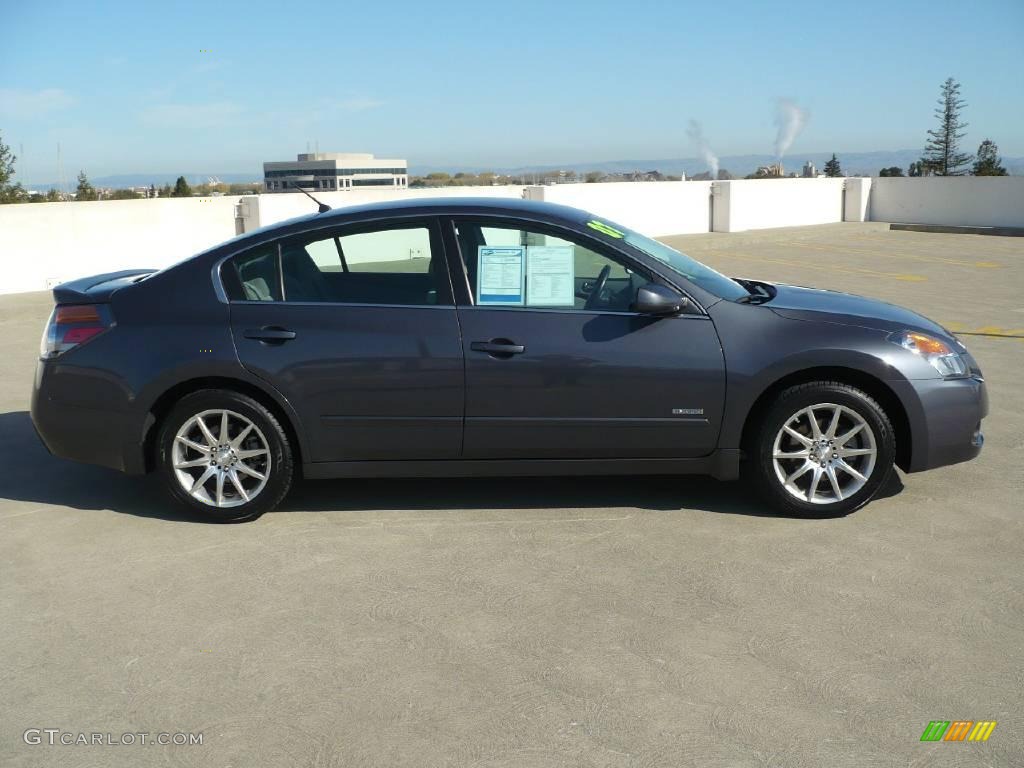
(605, 229)
(500, 278)
(550, 278)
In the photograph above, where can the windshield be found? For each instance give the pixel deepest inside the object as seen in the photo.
(691, 269)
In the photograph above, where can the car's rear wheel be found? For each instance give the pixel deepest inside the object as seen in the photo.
(823, 449)
(224, 456)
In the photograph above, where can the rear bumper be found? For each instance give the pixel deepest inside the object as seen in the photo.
(946, 425)
(71, 417)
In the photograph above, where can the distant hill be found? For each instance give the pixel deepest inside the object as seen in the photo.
(853, 163)
(122, 181)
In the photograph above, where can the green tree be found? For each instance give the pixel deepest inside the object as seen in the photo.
(181, 188)
(124, 194)
(10, 191)
(166, 191)
(832, 167)
(893, 170)
(593, 177)
(988, 163)
(152, 191)
(85, 190)
(53, 196)
(942, 150)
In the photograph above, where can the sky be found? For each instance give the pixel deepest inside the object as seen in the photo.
(219, 87)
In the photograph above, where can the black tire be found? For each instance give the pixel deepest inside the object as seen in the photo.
(269, 429)
(760, 453)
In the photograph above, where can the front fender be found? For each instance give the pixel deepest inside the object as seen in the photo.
(762, 348)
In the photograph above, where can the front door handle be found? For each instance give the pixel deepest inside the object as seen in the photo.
(271, 334)
(501, 348)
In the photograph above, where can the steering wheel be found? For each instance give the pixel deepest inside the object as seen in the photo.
(598, 289)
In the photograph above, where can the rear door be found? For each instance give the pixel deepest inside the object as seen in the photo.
(356, 327)
(558, 365)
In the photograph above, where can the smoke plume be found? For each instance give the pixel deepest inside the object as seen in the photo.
(790, 119)
(696, 135)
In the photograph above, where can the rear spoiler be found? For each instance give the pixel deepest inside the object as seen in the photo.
(96, 288)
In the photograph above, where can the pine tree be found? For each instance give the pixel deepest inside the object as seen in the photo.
(181, 188)
(941, 151)
(988, 163)
(832, 167)
(10, 192)
(85, 190)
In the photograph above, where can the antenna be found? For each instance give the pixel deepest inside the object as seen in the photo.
(60, 173)
(321, 207)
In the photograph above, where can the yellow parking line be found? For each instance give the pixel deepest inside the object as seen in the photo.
(831, 267)
(931, 259)
(1001, 247)
(985, 330)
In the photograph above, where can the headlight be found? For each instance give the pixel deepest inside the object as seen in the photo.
(939, 354)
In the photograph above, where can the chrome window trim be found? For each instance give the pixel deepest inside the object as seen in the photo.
(338, 304)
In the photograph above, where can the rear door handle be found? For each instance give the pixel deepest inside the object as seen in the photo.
(271, 334)
(498, 347)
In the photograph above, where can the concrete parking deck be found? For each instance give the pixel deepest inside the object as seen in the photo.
(577, 622)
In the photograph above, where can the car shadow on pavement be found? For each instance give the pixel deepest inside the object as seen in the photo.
(33, 476)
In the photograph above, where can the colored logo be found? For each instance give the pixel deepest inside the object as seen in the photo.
(958, 730)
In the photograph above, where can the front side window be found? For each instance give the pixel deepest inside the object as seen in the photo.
(394, 265)
(530, 268)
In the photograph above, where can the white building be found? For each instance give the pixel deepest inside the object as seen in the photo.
(335, 171)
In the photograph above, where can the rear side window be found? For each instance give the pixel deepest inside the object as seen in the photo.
(401, 265)
(257, 272)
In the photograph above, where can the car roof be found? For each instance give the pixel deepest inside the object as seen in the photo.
(455, 205)
(425, 205)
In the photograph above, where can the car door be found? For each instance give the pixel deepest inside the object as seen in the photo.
(560, 367)
(355, 325)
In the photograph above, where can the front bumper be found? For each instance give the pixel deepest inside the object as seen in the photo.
(72, 414)
(945, 421)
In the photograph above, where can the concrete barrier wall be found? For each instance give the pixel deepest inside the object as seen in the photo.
(651, 207)
(42, 244)
(963, 201)
(270, 209)
(767, 203)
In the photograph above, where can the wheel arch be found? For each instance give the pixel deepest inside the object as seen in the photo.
(871, 385)
(165, 402)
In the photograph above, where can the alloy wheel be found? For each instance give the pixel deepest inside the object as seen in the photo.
(824, 453)
(221, 458)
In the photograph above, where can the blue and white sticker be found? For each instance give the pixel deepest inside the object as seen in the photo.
(500, 276)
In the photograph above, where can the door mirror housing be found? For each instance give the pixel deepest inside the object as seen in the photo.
(654, 299)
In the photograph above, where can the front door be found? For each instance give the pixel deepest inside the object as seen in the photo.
(559, 366)
(356, 327)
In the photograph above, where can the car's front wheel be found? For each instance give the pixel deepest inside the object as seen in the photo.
(224, 456)
(823, 449)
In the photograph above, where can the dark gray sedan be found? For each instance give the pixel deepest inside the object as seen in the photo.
(467, 337)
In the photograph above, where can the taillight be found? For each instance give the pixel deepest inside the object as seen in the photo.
(71, 325)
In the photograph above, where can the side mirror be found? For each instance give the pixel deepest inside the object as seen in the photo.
(654, 299)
